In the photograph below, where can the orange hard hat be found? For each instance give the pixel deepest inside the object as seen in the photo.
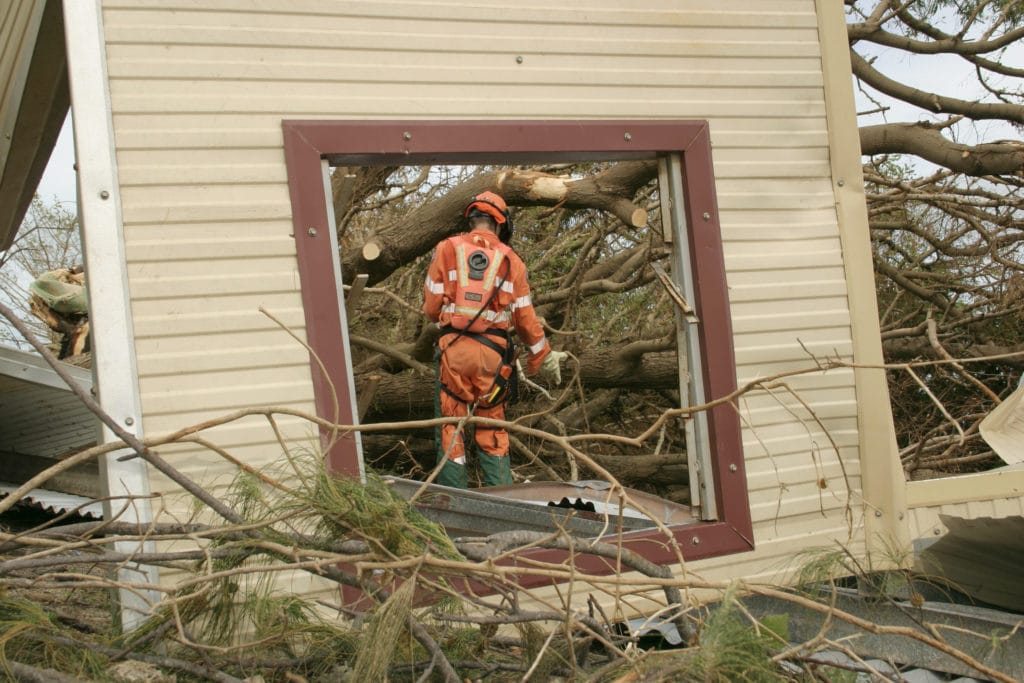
(489, 203)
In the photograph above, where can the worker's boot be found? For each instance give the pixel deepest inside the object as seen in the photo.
(452, 474)
(497, 468)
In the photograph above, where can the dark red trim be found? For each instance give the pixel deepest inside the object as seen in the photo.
(307, 143)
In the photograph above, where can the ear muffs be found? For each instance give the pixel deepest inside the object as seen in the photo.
(505, 229)
(494, 206)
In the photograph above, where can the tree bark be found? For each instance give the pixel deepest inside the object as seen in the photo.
(409, 396)
(415, 235)
(930, 101)
(1000, 158)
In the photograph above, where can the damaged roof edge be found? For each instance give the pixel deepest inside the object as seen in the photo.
(33, 116)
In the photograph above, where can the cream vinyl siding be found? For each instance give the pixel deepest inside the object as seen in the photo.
(997, 493)
(198, 91)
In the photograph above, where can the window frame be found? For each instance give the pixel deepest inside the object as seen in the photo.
(309, 144)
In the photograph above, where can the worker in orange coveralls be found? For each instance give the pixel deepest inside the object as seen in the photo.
(477, 292)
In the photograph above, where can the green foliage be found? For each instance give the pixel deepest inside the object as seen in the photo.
(299, 496)
(31, 635)
(381, 639)
(731, 649)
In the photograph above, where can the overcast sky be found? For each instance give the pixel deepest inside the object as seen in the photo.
(59, 178)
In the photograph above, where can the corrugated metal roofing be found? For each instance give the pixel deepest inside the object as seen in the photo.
(55, 502)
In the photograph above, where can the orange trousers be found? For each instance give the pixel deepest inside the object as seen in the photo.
(468, 369)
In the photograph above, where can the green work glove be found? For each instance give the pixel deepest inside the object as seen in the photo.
(550, 368)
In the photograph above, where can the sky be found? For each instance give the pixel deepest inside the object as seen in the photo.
(59, 177)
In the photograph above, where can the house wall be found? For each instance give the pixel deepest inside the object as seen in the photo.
(996, 493)
(198, 89)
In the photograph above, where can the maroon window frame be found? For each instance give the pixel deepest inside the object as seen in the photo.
(307, 143)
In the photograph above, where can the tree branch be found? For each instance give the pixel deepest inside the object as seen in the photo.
(1000, 158)
(929, 101)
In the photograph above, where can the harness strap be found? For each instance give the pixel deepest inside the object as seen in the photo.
(479, 428)
(479, 337)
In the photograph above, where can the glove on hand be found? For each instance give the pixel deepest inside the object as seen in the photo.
(550, 368)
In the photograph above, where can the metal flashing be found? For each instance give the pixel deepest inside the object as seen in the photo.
(55, 502)
(113, 342)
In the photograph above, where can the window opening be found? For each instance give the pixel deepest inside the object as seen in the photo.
(681, 154)
(592, 281)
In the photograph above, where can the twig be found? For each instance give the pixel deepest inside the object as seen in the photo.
(933, 338)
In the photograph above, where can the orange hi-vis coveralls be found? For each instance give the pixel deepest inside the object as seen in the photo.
(467, 366)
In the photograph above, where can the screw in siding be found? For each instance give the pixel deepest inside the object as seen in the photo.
(311, 231)
(104, 195)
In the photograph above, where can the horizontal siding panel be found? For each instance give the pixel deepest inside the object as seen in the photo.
(807, 377)
(805, 278)
(765, 13)
(169, 244)
(777, 291)
(749, 223)
(535, 47)
(763, 354)
(197, 172)
(787, 252)
(767, 137)
(785, 198)
(781, 407)
(340, 63)
(793, 493)
(804, 470)
(269, 336)
(779, 440)
(224, 131)
(793, 339)
(780, 319)
(447, 31)
(746, 260)
(250, 439)
(196, 405)
(441, 102)
(201, 358)
(182, 316)
(160, 286)
(253, 428)
(215, 383)
(203, 203)
(793, 506)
